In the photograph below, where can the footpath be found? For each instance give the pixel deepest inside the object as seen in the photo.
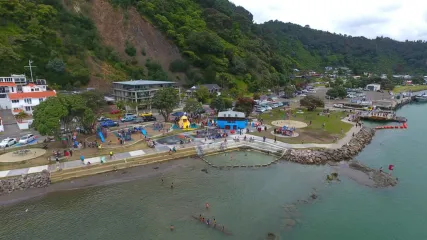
(166, 148)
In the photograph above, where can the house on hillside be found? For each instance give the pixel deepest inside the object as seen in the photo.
(212, 88)
(21, 94)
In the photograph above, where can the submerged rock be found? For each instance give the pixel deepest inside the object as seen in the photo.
(380, 178)
(271, 236)
(290, 222)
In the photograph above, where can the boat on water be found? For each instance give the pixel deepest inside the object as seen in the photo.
(421, 98)
(216, 227)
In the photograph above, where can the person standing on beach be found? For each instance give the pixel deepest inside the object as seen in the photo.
(111, 154)
(275, 139)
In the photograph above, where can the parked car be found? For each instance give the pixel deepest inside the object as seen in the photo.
(260, 109)
(128, 118)
(108, 123)
(115, 111)
(129, 115)
(145, 114)
(138, 120)
(102, 118)
(338, 105)
(285, 103)
(149, 118)
(7, 142)
(26, 139)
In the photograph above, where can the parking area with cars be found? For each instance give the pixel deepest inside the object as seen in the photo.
(126, 118)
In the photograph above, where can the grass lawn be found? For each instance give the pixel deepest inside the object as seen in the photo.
(314, 133)
(415, 88)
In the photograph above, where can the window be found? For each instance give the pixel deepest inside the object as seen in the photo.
(36, 89)
(15, 101)
(41, 99)
(27, 109)
(32, 89)
(28, 100)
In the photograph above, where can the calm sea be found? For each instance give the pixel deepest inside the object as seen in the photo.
(249, 202)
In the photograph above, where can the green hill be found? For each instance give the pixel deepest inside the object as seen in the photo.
(71, 44)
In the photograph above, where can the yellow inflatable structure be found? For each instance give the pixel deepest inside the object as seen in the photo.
(184, 123)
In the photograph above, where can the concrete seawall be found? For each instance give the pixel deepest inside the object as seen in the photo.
(322, 156)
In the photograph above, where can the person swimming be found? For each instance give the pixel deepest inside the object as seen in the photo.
(214, 222)
(207, 205)
(208, 222)
(172, 185)
(171, 227)
(203, 219)
(200, 217)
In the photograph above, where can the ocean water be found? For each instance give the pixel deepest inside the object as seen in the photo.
(249, 202)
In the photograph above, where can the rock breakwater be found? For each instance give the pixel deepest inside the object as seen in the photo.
(322, 156)
(23, 182)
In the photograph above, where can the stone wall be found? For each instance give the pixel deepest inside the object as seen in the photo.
(35, 180)
(345, 153)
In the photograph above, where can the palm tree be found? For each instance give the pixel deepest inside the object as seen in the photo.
(20, 116)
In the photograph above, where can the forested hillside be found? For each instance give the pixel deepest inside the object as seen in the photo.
(218, 42)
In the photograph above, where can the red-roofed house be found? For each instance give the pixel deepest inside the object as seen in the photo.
(18, 94)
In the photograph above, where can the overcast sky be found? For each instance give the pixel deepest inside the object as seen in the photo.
(397, 19)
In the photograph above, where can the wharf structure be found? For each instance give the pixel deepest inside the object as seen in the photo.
(382, 116)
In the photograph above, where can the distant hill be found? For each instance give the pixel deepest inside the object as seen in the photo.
(76, 43)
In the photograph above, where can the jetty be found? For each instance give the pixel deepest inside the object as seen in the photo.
(216, 226)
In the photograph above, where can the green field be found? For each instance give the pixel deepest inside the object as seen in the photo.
(314, 133)
(415, 88)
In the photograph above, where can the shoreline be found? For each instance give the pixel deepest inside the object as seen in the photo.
(98, 180)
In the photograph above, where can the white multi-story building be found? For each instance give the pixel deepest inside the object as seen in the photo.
(140, 91)
(19, 94)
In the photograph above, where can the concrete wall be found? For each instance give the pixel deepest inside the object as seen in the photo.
(35, 180)
(24, 125)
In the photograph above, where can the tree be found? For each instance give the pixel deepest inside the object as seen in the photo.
(289, 91)
(245, 105)
(220, 103)
(193, 106)
(20, 116)
(66, 111)
(94, 100)
(202, 94)
(133, 105)
(311, 102)
(165, 100)
(257, 96)
(121, 105)
(337, 92)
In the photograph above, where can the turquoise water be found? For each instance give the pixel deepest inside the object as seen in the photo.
(250, 202)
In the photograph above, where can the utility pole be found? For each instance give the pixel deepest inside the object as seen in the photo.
(31, 69)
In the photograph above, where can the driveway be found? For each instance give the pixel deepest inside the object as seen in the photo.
(11, 128)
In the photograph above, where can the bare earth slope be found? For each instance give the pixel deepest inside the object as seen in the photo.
(117, 26)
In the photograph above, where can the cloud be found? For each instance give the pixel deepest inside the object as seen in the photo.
(397, 19)
(362, 22)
